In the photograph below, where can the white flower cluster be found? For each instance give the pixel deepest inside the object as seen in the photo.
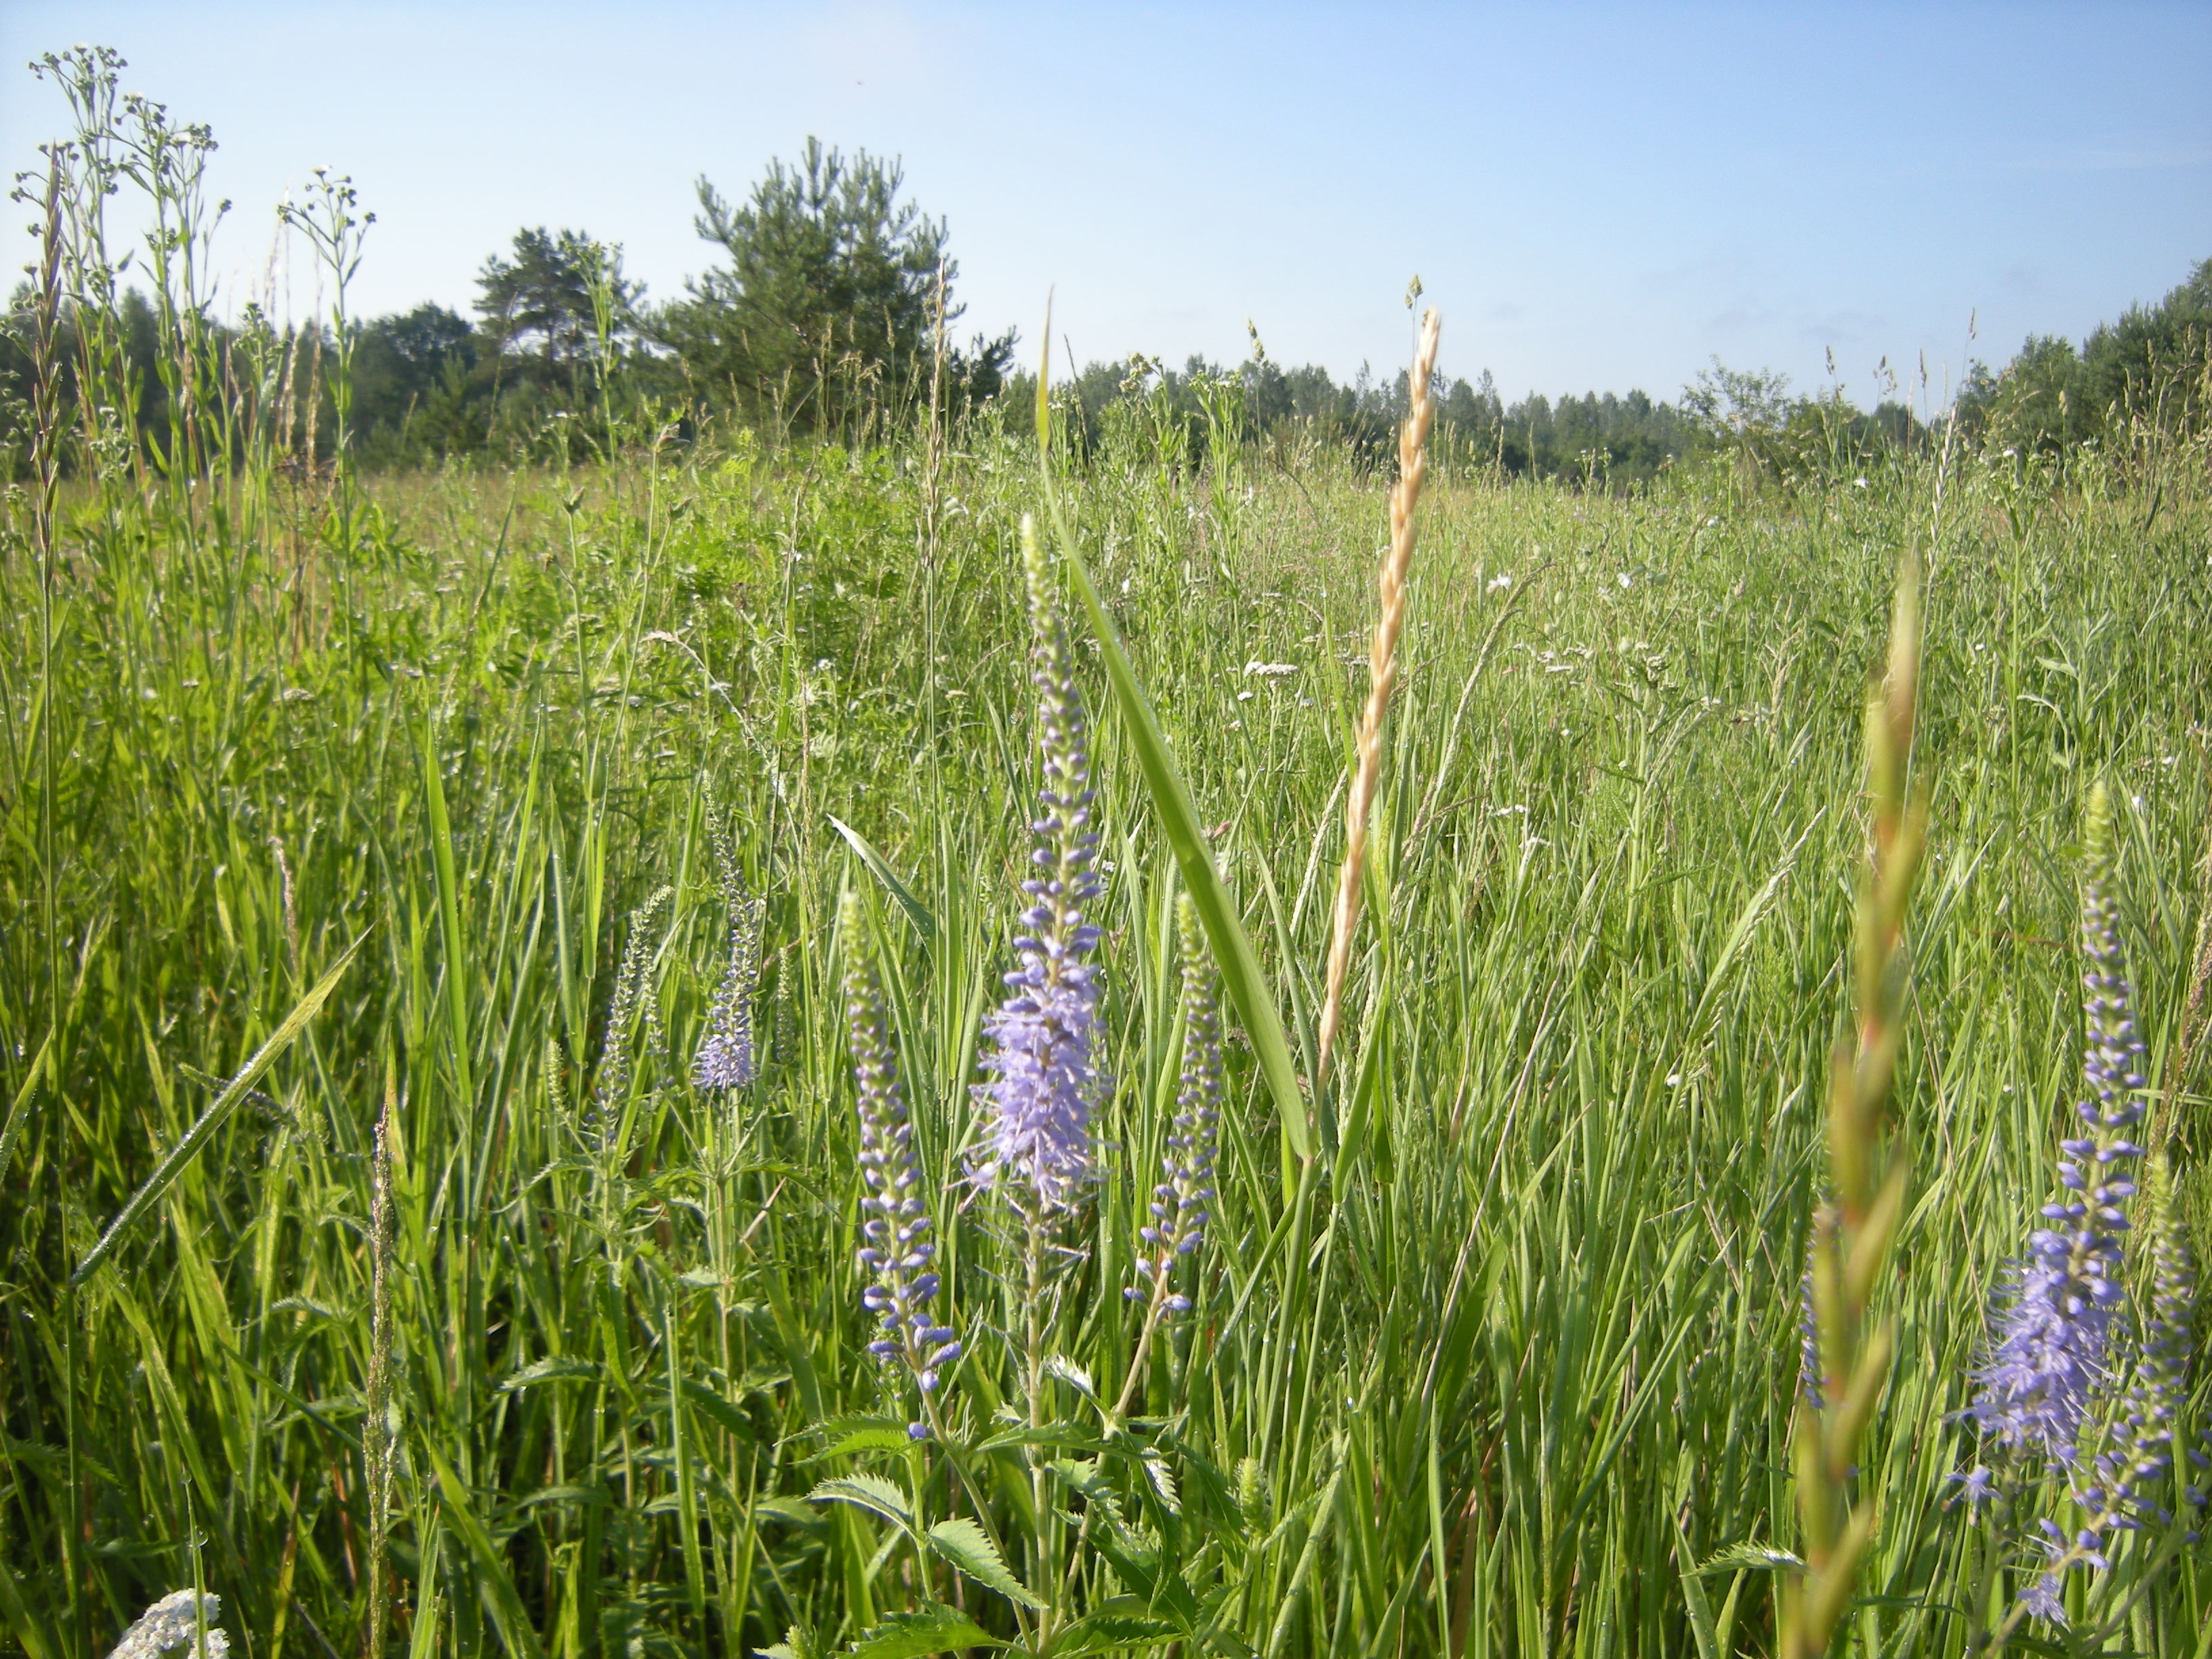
(173, 1622)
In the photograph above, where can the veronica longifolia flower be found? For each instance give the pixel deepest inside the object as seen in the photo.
(895, 1247)
(725, 1058)
(2049, 1353)
(1045, 1079)
(1181, 1203)
(632, 1006)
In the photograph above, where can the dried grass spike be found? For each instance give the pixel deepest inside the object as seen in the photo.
(1382, 676)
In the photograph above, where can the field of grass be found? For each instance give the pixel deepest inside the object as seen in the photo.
(1506, 1367)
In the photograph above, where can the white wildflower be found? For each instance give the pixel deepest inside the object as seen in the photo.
(172, 1623)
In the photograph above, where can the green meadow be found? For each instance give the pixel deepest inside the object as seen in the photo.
(369, 1260)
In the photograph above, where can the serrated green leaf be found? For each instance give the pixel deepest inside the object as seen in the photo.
(1109, 1632)
(798, 1642)
(1163, 1480)
(916, 1635)
(868, 1492)
(553, 1369)
(969, 1550)
(1065, 1435)
(1758, 1557)
(861, 1440)
(724, 1414)
(1072, 1374)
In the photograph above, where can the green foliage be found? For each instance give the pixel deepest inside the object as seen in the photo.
(828, 305)
(2148, 369)
(1506, 1367)
(1542, 1313)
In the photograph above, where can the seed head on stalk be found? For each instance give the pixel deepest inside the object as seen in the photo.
(1382, 676)
(1855, 1227)
(632, 1003)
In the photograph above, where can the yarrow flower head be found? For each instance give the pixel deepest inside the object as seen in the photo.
(1045, 1079)
(2051, 1351)
(895, 1247)
(1181, 1203)
(725, 1058)
(175, 1621)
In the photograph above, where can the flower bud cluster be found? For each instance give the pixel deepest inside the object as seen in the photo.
(1179, 1207)
(725, 1058)
(896, 1249)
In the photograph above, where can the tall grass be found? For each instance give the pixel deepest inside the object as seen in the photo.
(468, 1303)
(1531, 1373)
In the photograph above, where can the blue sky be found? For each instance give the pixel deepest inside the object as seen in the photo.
(1595, 197)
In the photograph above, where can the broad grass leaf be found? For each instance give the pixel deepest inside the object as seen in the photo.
(1242, 976)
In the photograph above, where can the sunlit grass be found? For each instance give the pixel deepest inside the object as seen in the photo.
(1530, 1361)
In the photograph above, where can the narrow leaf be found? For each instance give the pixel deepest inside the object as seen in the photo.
(507, 1617)
(20, 1113)
(916, 911)
(212, 1119)
(1112, 1632)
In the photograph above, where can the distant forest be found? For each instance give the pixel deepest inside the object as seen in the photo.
(832, 314)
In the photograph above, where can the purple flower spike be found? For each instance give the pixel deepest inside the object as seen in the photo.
(1045, 1078)
(2049, 1354)
(895, 1247)
(725, 1058)
(1181, 1204)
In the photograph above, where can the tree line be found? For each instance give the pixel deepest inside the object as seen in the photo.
(830, 312)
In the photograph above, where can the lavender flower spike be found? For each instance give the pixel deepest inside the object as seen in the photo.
(895, 1247)
(1180, 1203)
(1045, 1078)
(2050, 1349)
(725, 1058)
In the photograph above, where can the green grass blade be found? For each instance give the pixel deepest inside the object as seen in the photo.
(212, 1119)
(20, 1113)
(508, 1617)
(916, 911)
